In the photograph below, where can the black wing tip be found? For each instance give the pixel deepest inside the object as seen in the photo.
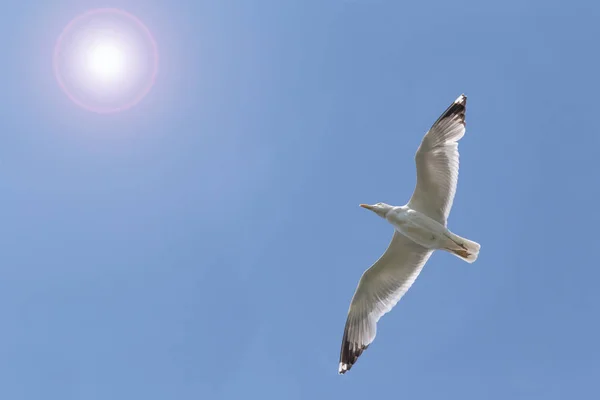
(343, 368)
(457, 110)
(349, 356)
(462, 99)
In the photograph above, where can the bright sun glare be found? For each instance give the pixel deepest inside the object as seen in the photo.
(106, 61)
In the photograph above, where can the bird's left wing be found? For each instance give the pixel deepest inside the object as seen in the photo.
(378, 291)
(437, 162)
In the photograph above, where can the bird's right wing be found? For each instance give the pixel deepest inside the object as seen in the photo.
(378, 291)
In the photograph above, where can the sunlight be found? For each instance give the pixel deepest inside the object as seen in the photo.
(106, 60)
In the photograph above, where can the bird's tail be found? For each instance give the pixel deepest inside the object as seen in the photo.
(464, 249)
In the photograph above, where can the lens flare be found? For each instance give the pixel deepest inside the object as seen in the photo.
(106, 60)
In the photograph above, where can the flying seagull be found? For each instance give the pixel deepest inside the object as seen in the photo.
(419, 230)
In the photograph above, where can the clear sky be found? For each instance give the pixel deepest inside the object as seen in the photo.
(206, 243)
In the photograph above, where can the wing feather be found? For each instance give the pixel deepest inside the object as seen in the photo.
(437, 162)
(379, 290)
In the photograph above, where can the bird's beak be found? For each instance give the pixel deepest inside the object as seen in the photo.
(368, 207)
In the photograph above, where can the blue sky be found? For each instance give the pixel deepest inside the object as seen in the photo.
(206, 243)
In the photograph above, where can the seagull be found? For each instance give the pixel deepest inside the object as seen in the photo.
(419, 230)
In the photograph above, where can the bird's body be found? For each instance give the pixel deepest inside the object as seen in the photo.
(420, 228)
(425, 231)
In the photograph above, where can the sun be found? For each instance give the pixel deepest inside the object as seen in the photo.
(106, 61)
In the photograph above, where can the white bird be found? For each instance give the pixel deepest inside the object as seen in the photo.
(419, 230)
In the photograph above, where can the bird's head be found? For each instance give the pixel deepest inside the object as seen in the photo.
(380, 209)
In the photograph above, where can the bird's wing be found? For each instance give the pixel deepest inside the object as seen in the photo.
(378, 291)
(437, 163)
